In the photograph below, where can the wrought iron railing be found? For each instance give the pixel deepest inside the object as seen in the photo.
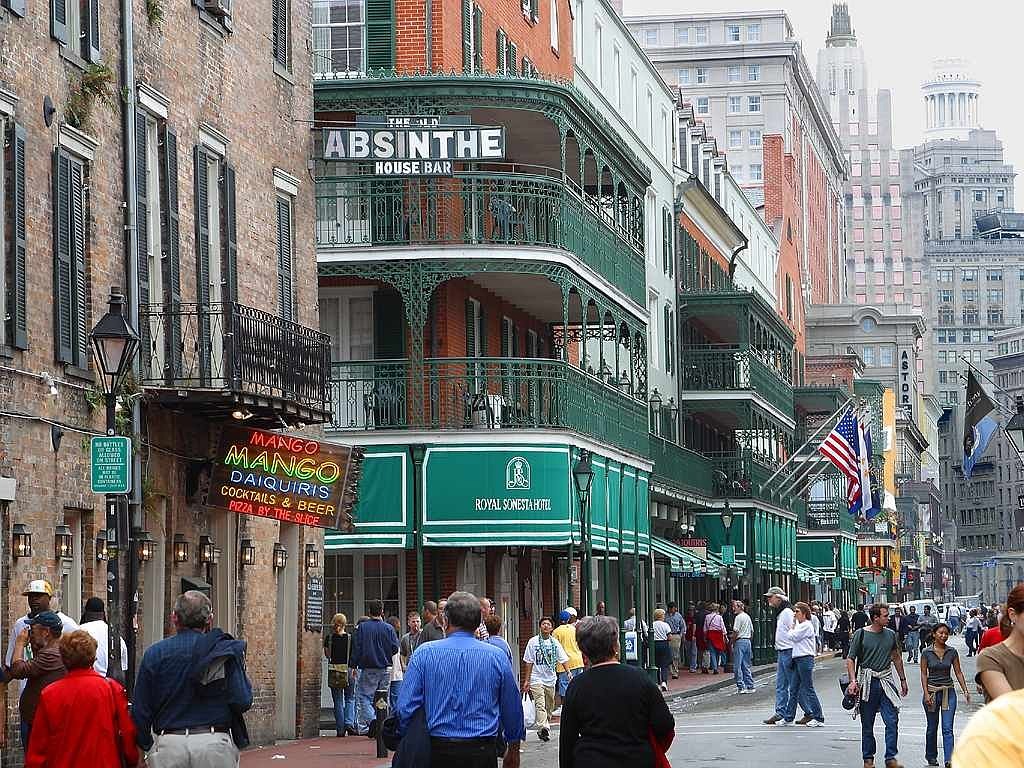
(229, 346)
(480, 209)
(740, 474)
(484, 393)
(680, 467)
(735, 368)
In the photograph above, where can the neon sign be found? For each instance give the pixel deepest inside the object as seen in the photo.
(282, 477)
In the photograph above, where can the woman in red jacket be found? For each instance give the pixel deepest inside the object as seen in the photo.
(82, 715)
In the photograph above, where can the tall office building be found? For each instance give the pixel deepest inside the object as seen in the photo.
(882, 263)
(748, 81)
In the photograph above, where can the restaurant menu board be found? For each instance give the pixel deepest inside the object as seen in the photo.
(282, 477)
(315, 603)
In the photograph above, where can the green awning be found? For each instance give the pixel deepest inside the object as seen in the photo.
(680, 559)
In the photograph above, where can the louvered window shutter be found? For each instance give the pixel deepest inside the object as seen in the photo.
(506, 337)
(515, 341)
(59, 20)
(279, 10)
(467, 36)
(284, 259)
(482, 329)
(171, 259)
(91, 9)
(80, 297)
(512, 58)
(202, 205)
(501, 51)
(63, 271)
(470, 329)
(142, 232)
(229, 233)
(380, 34)
(668, 341)
(17, 305)
(478, 36)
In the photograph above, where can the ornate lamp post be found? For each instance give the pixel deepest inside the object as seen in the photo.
(114, 344)
(583, 476)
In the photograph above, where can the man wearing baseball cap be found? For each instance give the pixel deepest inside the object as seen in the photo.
(42, 632)
(779, 600)
(39, 592)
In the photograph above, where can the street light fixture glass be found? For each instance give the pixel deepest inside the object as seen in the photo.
(114, 343)
(312, 557)
(248, 552)
(206, 548)
(180, 548)
(727, 517)
(1014, 428)
(63, 544)
(583, 474)
(101, 546)
(280, 555)
(22, 540)
(146, 546)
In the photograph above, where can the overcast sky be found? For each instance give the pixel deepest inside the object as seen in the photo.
(900, 38)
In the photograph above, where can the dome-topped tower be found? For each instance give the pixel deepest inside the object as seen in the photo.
(951, 100)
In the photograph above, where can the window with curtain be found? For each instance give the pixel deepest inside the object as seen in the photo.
(338, 37)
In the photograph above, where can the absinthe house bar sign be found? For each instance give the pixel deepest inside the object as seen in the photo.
(414, 145)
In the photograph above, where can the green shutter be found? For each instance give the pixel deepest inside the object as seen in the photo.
(668, 341)
(142, 214)
(506, 337)
(229, 233)
(285, 292)
(482, 330)
(501, 51)
(388, 325)
(63, 271)
(80, 296)
(202, 205)
(17, 295)
(170, 229)
(380, 34)
(478, 35)
(470, 329)
(535, 9)
(279, 12)
(59, 21)
(467, 36)
(512, 58)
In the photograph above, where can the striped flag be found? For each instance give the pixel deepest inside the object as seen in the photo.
(840, 448)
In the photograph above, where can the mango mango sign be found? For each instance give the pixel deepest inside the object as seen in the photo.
(282, 477)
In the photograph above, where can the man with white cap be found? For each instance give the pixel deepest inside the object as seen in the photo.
(39, 592)
(779, 601)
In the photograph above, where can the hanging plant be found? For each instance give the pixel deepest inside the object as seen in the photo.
(83, 91)
(154, 12)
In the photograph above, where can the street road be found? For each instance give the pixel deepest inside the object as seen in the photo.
(725, 729)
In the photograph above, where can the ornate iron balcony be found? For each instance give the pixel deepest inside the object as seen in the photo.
(222, 358)
(732, 368)
(485, 393)
(500, 208)
(680, 467)
(740, 475)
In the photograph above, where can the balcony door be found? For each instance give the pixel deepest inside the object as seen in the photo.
(346, 315)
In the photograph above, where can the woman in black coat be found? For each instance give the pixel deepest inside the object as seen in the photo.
(843, 632)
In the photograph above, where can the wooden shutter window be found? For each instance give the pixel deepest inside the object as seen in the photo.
(279, 10)
(59, 21)
(170, 257)
(478, 36)
(470, 328)
(512, 57)
(506, 337)
(501, 50)
(17, 306)
(81, 295)
(202, 202)
(229, 233)
(142, 215)
(467, 36)
(668, 341)
(63, 279)
(285, 295)
(380, 34)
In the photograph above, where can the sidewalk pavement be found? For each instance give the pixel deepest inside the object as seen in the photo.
(359, 751)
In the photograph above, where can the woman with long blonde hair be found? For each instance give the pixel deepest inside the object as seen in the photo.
(338, 652)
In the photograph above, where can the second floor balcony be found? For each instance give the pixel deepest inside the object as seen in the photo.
(225, 359)
(509, 206)
(484, 393)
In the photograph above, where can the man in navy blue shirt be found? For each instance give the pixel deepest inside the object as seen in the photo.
(191, 691)
(472, 694)
(373, 650)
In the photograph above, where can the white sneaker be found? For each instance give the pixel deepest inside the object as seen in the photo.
(664, 686)
(816, 724)
(557, 712)
(784, 723)
(747, 690)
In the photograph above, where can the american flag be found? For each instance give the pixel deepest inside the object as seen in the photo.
(840, 447)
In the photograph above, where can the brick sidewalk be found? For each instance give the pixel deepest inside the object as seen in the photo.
(359, 752)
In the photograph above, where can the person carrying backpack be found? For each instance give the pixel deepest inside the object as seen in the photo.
(191, 692)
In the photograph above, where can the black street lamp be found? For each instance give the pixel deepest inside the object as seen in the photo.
(727, 520)
(1014, 428)
(114, 344)
(583, 476)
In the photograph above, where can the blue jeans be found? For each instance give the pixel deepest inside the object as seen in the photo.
(878, 701)
(25, 729)
(393, 691)
(801, 690)
(742, 658)
(344, 708)
(931, 749)
(954, 625)
(370, 681)
(782, 675)
(564, 679)
(913, 646)
(691, 650)
(718, 658)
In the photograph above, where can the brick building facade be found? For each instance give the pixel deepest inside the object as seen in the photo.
(217, 114)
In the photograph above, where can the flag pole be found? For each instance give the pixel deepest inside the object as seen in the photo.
(793, 455)
(805, 469)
